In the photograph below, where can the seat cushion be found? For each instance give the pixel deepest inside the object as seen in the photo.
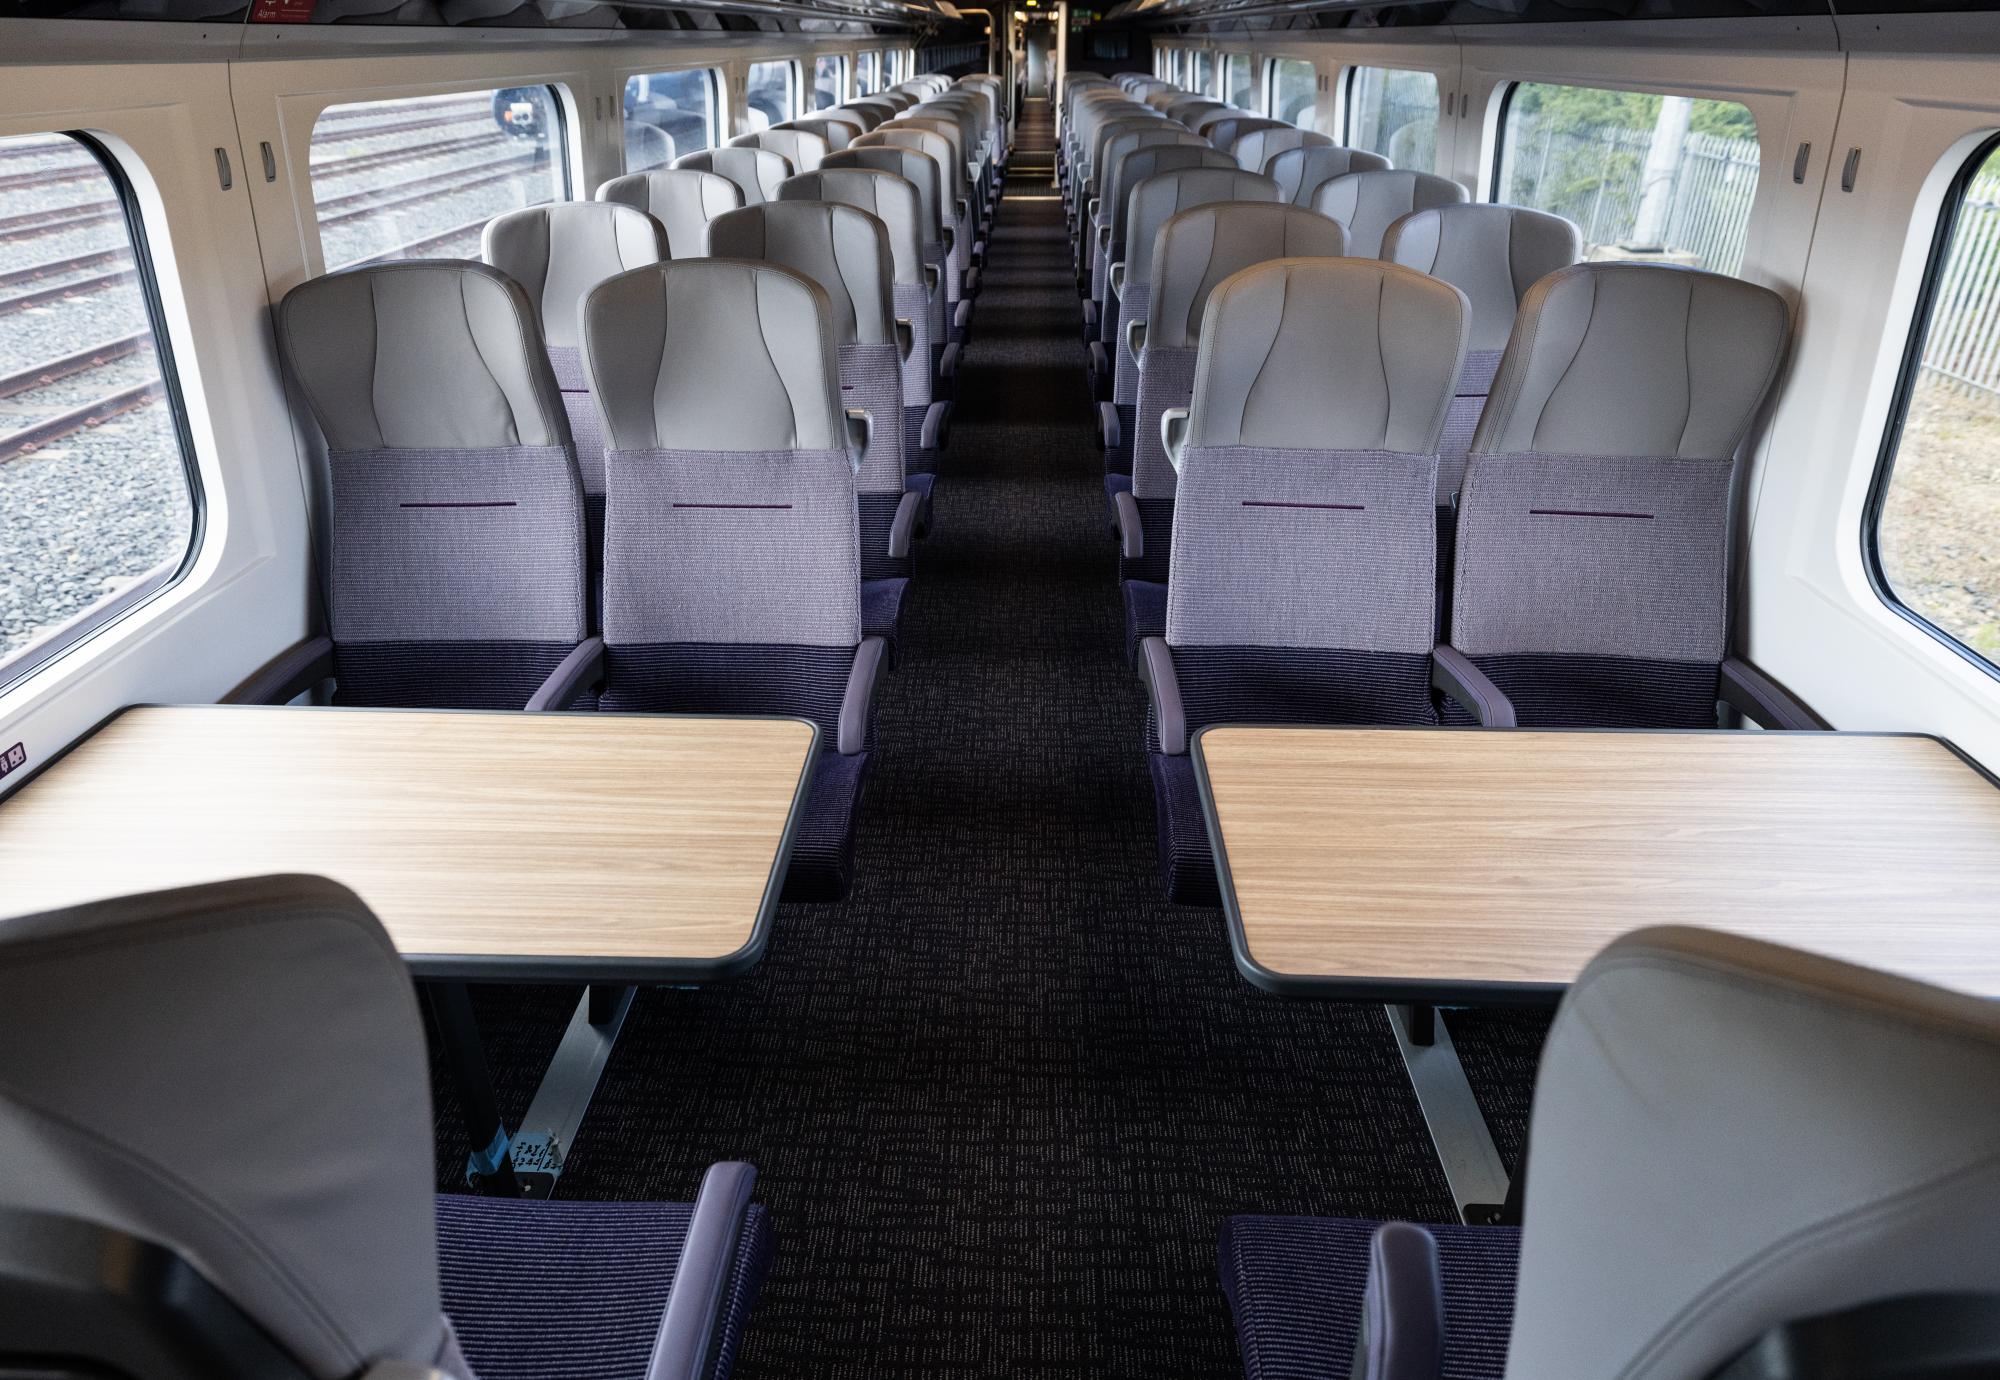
(577, 1290)
(823, 840)
(443, 675)
(1295, 1283)
(1187, 867)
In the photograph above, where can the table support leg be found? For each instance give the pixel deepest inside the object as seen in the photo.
(490, 1166)
(549, 1128)
(1465, 1148)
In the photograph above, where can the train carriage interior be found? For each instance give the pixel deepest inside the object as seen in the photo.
(1127, 688)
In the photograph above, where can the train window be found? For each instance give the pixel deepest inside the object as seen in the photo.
(1239, 85)
(1201, 73)
(668, 114)
(772, 96)
(829, 86)
(1663, 178)
(1935, 549)
(1394, 112)
(94, 475)
(868, 73)
(1290, 90)
(419, 178)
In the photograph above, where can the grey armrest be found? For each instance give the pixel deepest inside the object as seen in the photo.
(857, 706)
(1109, 433)
(1135, 343)
(580, 670)
(684, 1349)
(1402, 1309)
(1131, 536)
(1090, 209)
(1115, 275)
(906, 338)
(860, 435)
(290, 674)
(1453, 673)
(1104, 237)
(1163, 687)
(1173, 435)
(903, 527)
(1762, 700)
(931, 280)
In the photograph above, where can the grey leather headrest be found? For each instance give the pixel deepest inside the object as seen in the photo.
(1164, 195)
(890, 199)
(755, 171)
(238, 1072)
(844, 250)
(837, 133)
(1493, 254)
(1150, 161)
(562, 250)
(866, 113)
(1189, 110)
(1728, 1135)
(1224, 133)
(1328, 354)
(435, 354)
(1367, 203)
(684, 200)
(714, 354)
(933, 145)
(919, 169)
(1635, 359)
(1102, 136)
(1255, 149)
(1302, 171)
(1197, 249)
(800, 148)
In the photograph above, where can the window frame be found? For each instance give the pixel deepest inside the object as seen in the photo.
(882, 82)
(49, 646)
(1908, 372)
(1270, 102)
(1350, 79)
(718, 117)
(1249, 60)
(790, 67)
(842, 84)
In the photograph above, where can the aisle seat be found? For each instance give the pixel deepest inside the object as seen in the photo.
(682, 200)
(923, 172)
(1837, 1129)
(458, 575)
(1126, 138)
(942, 140)
(732, 555)
(1302, 584)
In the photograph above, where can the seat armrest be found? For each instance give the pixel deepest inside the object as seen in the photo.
(903, 527)
(1402, 1308)
(1173, 435)
(1104, 237)
(290, 674)
(1762, 700)
(860, 435)
(1131, 535)
(684, 1348)
(1135, 343)
(580, 670)
(931, 280)
(1163, 687)
(1090, 209)
(1115, 275)
(906, 338)
(1453, 673)
(1109, 432)
(857, 706)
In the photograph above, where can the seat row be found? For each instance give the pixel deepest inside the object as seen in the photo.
(189, 1198)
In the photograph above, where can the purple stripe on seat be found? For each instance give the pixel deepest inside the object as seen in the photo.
(1330, 507)
(1579, 512)
(496, 503)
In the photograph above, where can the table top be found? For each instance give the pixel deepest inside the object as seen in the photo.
(571, 847)
(1478, 865)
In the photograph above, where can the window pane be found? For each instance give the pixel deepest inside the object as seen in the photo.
(1294, 88)
(827, 87)
(1238, 88)
(668, 114)
(419, 179)
(1203, 82)
(868, 73)
(770, 94)
(1394, 113)
(93, 481)
(1939, 536)
(1663, 177)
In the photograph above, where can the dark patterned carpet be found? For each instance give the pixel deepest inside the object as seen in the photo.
(1003, 1098)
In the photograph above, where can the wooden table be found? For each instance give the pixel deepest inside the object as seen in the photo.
(1425, 867)
(604, 849)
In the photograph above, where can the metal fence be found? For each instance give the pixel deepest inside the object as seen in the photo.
(1595, 175)
(1962, 351)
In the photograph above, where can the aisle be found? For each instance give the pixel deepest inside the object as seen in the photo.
(1003, 1098)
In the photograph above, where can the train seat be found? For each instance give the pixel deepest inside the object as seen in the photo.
(1367, 203)
(1123, 138)
(1194, 251)
(1837, 1127)
(1223, 134)
(732, 560)
(683, 200)
(916, 293)
(458, 539)
(1254, 149)
(938, 141)
(1591, 574)
(846, 252)
(839, 131)
(252, 1196)
(801, 148)
(1302, 587)
(755, 171)
(1300, 172)
(557, 253)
